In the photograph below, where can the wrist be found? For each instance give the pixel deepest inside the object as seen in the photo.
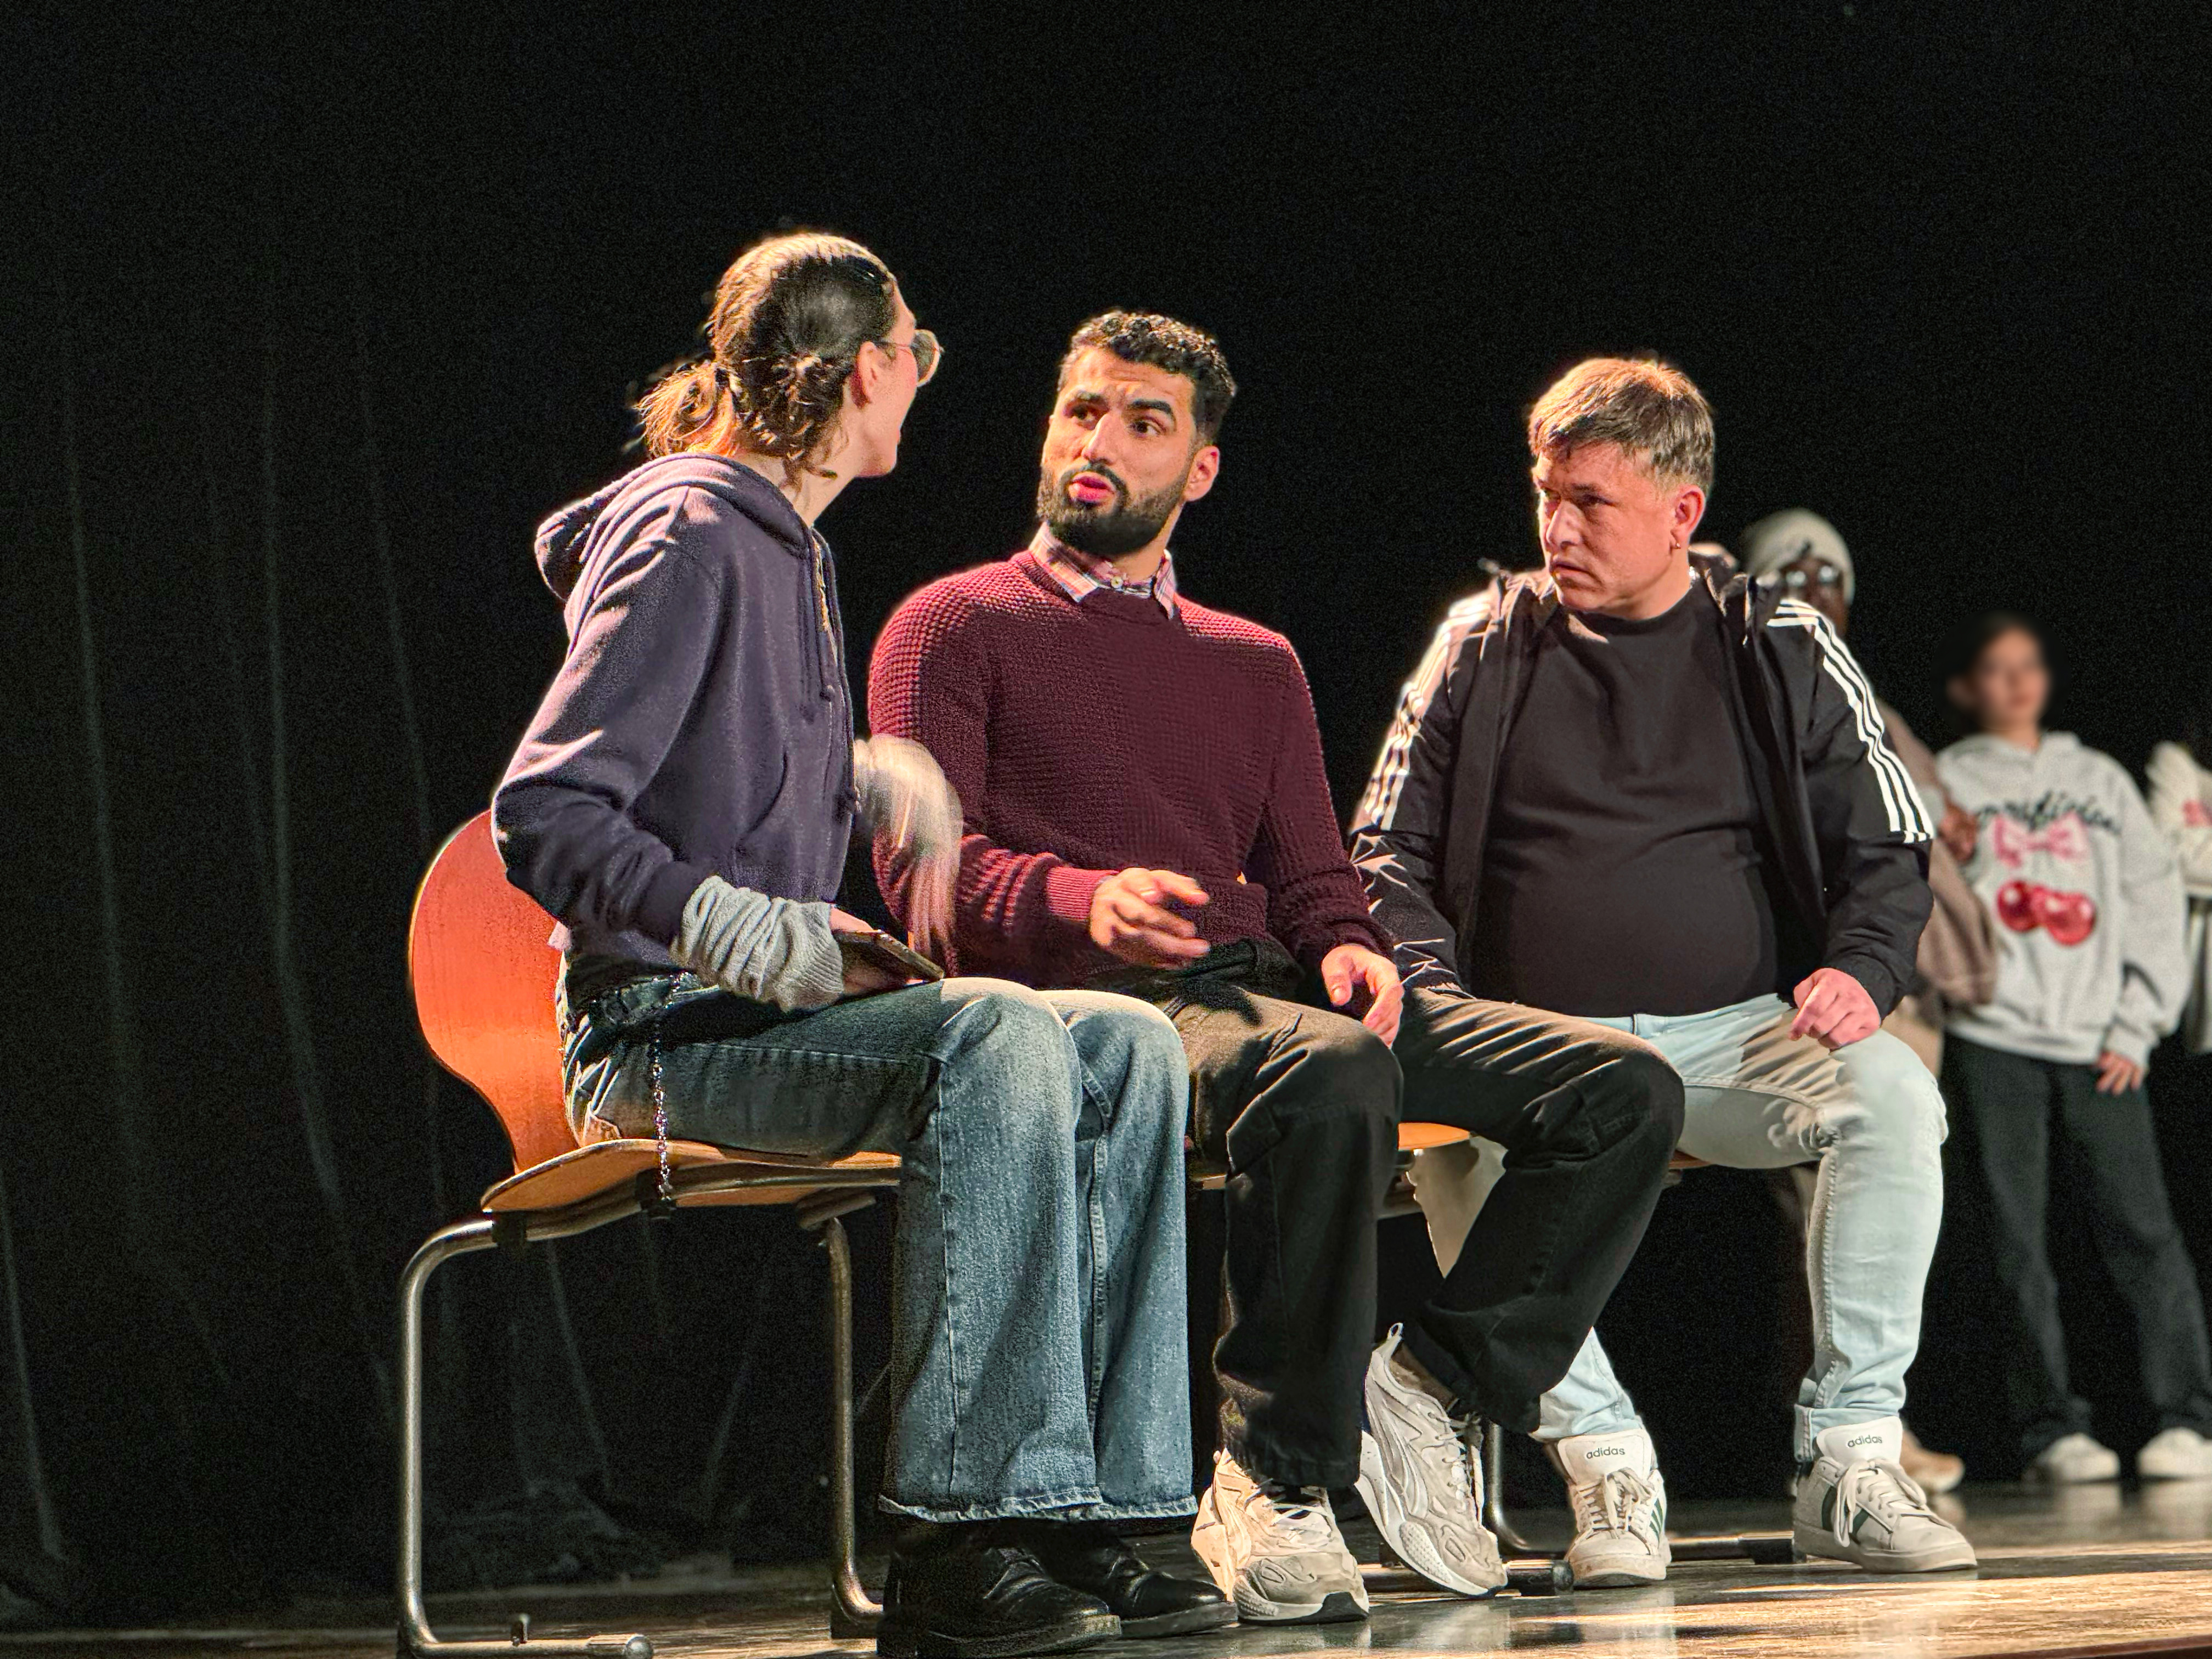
(1070, 894)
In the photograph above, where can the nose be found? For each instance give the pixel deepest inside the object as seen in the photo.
(1556, 529)
(1098, 446)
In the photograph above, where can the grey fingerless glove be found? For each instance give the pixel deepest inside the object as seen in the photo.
(779, 952)
(903, 795)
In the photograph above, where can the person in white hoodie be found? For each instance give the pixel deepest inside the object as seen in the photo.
(2091, 972)
(2181, 805)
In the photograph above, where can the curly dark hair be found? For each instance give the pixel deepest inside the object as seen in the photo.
(789, 319)
(1146, 337)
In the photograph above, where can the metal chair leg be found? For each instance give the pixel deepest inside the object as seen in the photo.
(852, 1612)
(1510, 1540)
(417, 1640)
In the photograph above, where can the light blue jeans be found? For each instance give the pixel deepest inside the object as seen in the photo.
(1039, 1363)
(1756, 1098)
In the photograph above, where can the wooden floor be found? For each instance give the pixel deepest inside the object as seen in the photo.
(2087, 1570)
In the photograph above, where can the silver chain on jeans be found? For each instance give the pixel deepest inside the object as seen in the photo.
(660, 1127)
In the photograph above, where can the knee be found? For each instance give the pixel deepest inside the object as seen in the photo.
(1896, 1102)
(998, 1023)
(1350, 1074)
(1634, 1095)
(1146, 1037)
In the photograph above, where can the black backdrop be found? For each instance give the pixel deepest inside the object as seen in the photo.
(314, 312)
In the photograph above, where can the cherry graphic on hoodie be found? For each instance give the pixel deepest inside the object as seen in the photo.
(2025, 906)
(2069, 918)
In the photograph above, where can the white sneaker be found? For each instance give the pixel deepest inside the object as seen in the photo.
(1275, 1550)
(1620, 1500)
(1858, 1505)
(2175, 1453)
(2074, 1458)
(1417, 1477)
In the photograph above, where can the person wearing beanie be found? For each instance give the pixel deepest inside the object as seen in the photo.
(1803, 554)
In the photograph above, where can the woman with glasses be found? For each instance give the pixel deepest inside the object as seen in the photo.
(681, 804)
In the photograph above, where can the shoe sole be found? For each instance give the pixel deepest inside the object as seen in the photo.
(1209, 1542)
(1618, 1578)
(1408, 1540)
(1188, 1622)
(1820, 1542)
(1337, 1607)
(900, 1642)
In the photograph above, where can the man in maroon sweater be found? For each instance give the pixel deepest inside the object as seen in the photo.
(1146, 812)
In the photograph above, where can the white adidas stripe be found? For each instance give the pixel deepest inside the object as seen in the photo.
(1379, 806)
(1901, 796)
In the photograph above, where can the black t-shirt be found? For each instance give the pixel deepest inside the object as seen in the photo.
(1624, 871)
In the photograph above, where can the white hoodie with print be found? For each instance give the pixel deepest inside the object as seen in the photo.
(2087, 895)
(2181, 805)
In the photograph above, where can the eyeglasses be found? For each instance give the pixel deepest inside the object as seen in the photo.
(928, 353)
(1797, 579)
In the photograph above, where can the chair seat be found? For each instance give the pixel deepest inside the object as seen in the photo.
(1427, 1137)
(605, 1166)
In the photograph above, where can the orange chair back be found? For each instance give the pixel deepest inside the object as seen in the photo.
(483, 972)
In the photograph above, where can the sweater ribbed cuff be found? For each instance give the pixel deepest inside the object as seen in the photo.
(1068, 892)
(2129, 1043)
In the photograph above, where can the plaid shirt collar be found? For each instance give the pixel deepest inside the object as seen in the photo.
(1079, 575)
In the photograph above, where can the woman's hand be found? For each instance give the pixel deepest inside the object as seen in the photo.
(907, 802)
(2116, 1074)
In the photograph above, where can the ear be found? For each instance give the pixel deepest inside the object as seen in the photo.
(1205, 468)
(1959, 693)
(865, 383)
(1689, 508)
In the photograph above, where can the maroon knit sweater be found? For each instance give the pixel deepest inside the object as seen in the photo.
(1084, 739)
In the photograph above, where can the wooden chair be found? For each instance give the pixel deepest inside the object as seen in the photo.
(482, 973)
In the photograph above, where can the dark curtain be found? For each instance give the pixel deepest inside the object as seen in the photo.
(249, 703)
(313, 313)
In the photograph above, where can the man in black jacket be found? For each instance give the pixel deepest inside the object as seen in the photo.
(1634, 790)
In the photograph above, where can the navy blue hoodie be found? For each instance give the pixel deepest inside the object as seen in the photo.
(699, 724)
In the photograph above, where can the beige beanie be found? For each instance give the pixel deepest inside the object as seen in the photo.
(1786, 537)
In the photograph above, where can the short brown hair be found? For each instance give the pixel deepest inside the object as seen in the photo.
(1146, 337)
(1650, 409)
(790, 317)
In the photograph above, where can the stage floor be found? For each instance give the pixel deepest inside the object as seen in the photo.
(2092, 1568)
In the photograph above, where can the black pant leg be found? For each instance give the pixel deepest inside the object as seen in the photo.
(1588, 1116)
(2004, 1104)
(1302, 1104)
(2133, 1224)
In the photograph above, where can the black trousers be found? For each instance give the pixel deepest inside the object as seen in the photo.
(1302, 1103)
(2004, 1108)
(1587, 1117)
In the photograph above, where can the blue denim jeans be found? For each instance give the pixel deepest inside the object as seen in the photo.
(1755, 1098)
(1038, 1345)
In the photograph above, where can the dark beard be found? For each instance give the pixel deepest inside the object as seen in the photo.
(1103, 533)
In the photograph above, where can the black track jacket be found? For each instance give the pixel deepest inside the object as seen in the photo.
(1846, 823)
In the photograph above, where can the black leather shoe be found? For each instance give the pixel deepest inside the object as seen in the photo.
(1088, 1556)
(965, 1592)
